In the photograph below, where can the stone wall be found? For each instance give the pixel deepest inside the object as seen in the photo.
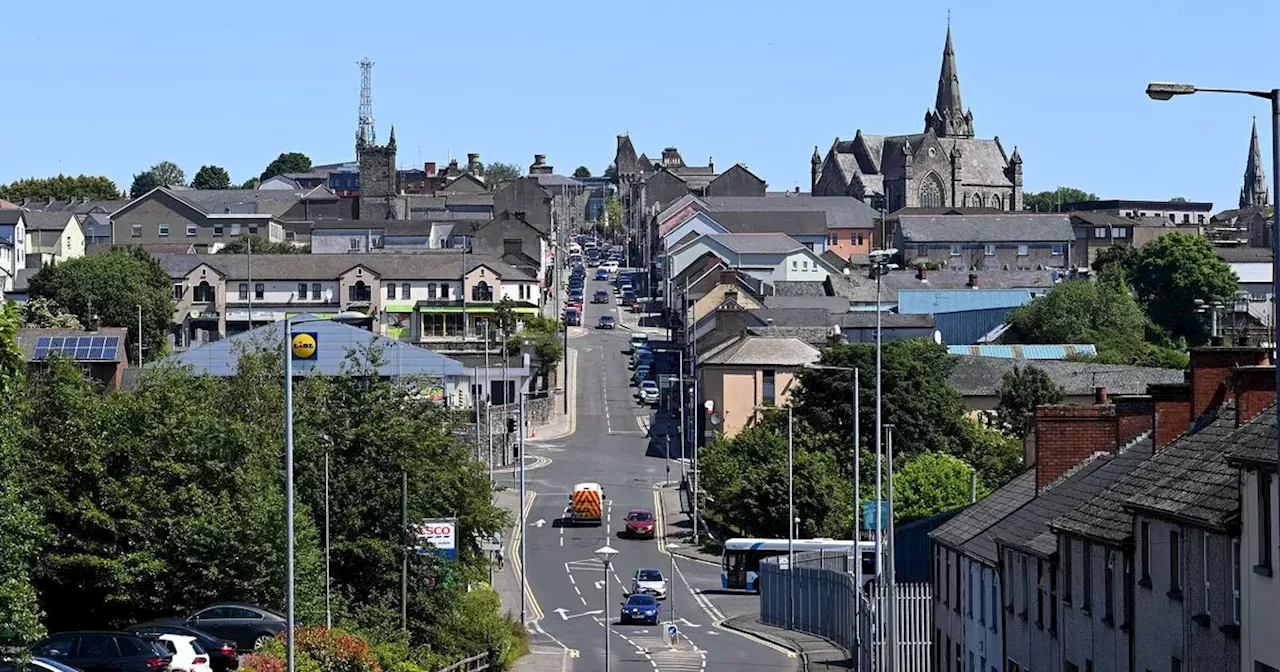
(537, 413)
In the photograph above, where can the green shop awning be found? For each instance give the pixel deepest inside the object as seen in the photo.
(476, 310)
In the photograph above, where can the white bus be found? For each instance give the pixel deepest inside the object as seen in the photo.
(740, 559)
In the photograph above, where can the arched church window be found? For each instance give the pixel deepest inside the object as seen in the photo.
(965, 202)
(931, 192)
(995, 202)
(977, 200)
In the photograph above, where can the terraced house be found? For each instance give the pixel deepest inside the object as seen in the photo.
(432, 297)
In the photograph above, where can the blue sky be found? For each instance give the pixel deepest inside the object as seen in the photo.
(99, 88)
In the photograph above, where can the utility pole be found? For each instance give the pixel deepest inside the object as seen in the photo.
(248, 240)
(524, 586)
(488, 401)
(892, 608)
(857, 467)
(404, 554)
(139, 334)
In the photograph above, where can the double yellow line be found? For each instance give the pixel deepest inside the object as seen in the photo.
(517, 538)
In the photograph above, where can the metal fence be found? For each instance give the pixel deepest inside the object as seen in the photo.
(476, 663)
(821, 597)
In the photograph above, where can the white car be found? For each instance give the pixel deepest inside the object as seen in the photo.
(651, 582)
(611, 266)
(188, 655)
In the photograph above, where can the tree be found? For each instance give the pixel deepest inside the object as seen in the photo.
(497, 172)
(1051, 201)
(582, 171)
(1124, 256)
(929, 483)
(1174, 270)
(261, 245)
(61, 187)
(111, 286)
(1021, 391)
(45, 313)
(611, 172)
(287, 162)
(142, 183)
(1178, 199)
(163, 174)
(251, 183)
(504, 317)
(612, 216)
(211, 177)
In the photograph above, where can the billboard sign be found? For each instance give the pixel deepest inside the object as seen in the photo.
(438, 536)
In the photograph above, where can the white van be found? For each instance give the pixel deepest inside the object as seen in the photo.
(637, 338)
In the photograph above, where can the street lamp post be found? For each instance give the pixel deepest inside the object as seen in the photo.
(606, 554)
(880, 265)
(1166, 91)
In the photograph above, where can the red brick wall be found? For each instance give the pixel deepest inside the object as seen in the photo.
(1171, 412)
(1254, 388)
(1068, 434)
(1210, 368)
(1134, 416)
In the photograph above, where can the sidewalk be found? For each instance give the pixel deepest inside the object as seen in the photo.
(677, 524)
(560, 424)
(544, 655)
(815, 653)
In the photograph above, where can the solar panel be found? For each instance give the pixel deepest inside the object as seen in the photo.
(79, 347)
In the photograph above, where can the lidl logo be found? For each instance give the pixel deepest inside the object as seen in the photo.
(303, 345)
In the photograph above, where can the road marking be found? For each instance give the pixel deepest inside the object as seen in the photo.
(539, 523)
(574, 653)
(517, 540)
(571, 580)
(564, 613)
(599, 585)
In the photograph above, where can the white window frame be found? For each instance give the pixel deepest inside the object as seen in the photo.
(989, 250)
(955, 250)
(1100, 232)
(162, 230)
(1024, 250)
(1058, 249)
(353, 244)
(1120, 232)
(136, 231)
(236, 229)
(192, 230)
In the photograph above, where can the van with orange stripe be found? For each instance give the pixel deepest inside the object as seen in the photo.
(586, 505)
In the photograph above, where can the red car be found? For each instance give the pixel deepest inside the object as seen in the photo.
(640, 524)
(636, 307)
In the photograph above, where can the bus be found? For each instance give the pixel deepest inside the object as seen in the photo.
(740, 559)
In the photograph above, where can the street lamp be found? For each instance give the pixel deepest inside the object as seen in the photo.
(606, 554)
(1166, 91)
(791, 513)
(880, 265)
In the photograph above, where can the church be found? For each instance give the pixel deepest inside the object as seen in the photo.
(945, 166)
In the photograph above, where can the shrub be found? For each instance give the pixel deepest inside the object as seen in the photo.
(316, 650)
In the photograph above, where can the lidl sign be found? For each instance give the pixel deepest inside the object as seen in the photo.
(303, 345)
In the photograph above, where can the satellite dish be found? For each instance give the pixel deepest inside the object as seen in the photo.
(937, 337)
(715, 420)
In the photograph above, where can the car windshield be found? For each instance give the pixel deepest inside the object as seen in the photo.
(649, 575)
(641, 601)
(606, 318)
(640, 515)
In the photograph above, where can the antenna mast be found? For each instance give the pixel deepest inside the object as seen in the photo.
(365, 128)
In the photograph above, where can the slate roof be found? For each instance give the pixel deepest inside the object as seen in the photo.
(274, 202)
(832, 304)
(862, 289)
(801, 223)
(760, 351)
(1091, 218)
(980, 376)
(11, 217)
(1104, 516)
(429, 264)
(1029, 228)
(76, 205)
(993, 508)
(1244, 255)
(757, 243)
(1193, 482)
(800, 288)
(1255, 442)
(48, 221)
(840, 212)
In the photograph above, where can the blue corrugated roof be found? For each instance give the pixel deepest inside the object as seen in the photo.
(922, 301)
(1024, 351)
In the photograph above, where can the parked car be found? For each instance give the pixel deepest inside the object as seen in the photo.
(36, 664)
(223, 656)
(649, 582)
(639, 524)
(245, 624)
(640, 609)
(641, 374)
(606, 322)
(101, 651)
(638, 339)
(648, 392)
(572, 317)
(188, 655)
(600, 296)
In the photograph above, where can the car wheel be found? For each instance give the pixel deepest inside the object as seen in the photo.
(261, 640)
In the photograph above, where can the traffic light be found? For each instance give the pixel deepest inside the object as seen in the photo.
(511, 425)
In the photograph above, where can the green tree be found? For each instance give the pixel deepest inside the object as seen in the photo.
(163, 174)
(497, 172)
(1124, 256)
(612, 217)
(929, 483)
(1173, 271)
(251, 183)
(61, 187)
(287, 162)
(582, 171)
(1178, 199)
(1021, 391)
(143, 182)
(111, 286)
(261, 245)
(611, 172)
(1051, 201)
(504, 318)
(47, 314)
(211, 177)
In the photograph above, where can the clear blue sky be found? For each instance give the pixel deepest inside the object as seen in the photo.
(99, 88)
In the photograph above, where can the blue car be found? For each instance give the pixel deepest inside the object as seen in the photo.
(602, 274)
(640, 609)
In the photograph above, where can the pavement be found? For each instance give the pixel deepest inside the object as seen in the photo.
(815, 653)
(572, 601)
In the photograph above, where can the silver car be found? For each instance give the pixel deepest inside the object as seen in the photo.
(651, 582)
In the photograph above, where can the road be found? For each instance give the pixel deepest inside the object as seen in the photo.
(610, 446)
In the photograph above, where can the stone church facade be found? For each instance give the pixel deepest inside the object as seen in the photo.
(944, 166)
(378, 177)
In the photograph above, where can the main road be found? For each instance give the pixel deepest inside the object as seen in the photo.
(609, 446)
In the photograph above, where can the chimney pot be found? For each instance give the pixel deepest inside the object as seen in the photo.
(973, 280)
(1100, 395)
(923, 273)
(430, 168)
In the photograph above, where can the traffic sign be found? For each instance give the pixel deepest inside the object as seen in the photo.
(304, 344)
(869, 519)
(672, 634)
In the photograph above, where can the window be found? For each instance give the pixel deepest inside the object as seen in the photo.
(1120, 232)
(989, 250)
(970, 668)
(1023, 250)
(217, 230)
(1264, 523)
(1186, 218)
(995, 202)
(1204, 567)
(1058, 249)
(137, 231)
(768, 390)
(1086, 583)
(1026, 588)
(235, 229)
(1175, 665)
(1200, 219)
(860, 239)
(982, 597)
(931, 197)
(163, 230)
(258, 290)
(404, 290)
(253, 229)
(315, 291)
(391, 290)
(1175, 564)
(445, 288)
(191, 230)
(482, 292)
(1072, 667)
(834, 239)
(129, 648)
(1235, 581)
(1144, 541)
(1053, 598)
(359, 292)
(977, 200)
(995, 602)
(290, 235)
(1108, 586)
(353, 245)
(1067, 578)
(177, 292)
(1008, 572)
(1040, 579)
(1100, 232)
(922, 250)
(431, 290)
(244, 291)
(204, 293)
(1088, 665)
(95, 646)
(955, 250)
(1012, 666)
(302, 290)
(795, 265)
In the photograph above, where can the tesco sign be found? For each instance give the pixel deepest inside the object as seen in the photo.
(440, 536)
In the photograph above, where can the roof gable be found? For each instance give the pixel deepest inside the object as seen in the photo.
(465, 183)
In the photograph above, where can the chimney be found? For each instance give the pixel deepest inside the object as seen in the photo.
(973, 280)
(1210, 370)
(728, 277)
(539, 159)
(1099, 395)
(768, 321)
(474, 166)
(430, 168)
(1170, 411)
(1134, 416)
(797, 191)
(923, 273)
(1254, 388)
(1067, 435)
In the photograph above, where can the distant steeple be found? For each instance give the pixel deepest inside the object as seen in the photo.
(1254, 191)
(949, 118)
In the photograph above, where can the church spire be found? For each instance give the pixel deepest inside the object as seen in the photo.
(1254, 191)
(949, 118)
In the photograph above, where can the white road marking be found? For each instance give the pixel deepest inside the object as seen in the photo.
(564, 613)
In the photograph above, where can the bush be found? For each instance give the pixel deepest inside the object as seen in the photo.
(316, 650)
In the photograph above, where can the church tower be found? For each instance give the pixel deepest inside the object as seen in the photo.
(1254, 192)
(949, 118)
(377, 178)
(815, 169)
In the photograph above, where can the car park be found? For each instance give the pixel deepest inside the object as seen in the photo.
(223, 656)
(649, 581)
(187, 654)
(102, 651)
(639, 524)
(606, 322)
(640, 609)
